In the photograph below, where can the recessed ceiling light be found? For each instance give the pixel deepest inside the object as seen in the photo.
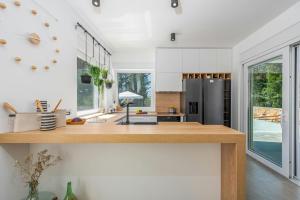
(173, 37)
(174, 3)
(96, 3)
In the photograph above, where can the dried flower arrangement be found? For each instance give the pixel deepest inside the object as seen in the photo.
(32, 169)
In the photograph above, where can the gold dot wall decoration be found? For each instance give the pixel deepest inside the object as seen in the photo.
(33, 67)
(2, 5)
(2, 42)
(34, 38)
(54, 38)
(34, 12)
(46, 24)
(18, 59)
(54, 61)
(46, 68)
(17, 3)
(57, 51)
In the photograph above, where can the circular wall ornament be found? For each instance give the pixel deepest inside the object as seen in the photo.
(46, 24)
(2, 5)
(34, 12)
(3, 42)
(34, 38)
(33, 67)
(18, 59)
(17, 3)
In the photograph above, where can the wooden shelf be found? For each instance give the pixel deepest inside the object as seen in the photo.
(225, 76)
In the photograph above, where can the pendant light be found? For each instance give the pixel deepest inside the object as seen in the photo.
(96, 3)
(174, 3)
(173, 37)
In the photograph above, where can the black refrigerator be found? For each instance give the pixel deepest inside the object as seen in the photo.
(202, 100)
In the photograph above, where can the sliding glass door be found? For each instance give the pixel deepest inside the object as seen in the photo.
(267, 110)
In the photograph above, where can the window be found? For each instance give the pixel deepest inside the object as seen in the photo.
(137, 84)
(85, 92)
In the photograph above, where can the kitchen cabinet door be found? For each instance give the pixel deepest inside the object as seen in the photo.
(168, 82)
(190, 60)
(208, 60)
(224, 60)
(168, 60)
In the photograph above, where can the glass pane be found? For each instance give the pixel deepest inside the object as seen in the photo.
(85, 92)
(265, 97)
(138, 85)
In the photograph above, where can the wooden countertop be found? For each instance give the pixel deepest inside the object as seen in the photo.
(109, 132)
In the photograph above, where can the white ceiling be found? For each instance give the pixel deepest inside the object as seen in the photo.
(143, 24)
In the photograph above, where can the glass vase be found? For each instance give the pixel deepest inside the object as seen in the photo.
(70, 195)
(33, 192)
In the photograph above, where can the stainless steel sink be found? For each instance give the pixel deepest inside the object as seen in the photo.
(137, 123)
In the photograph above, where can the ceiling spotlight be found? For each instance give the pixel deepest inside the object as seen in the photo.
(174, 3)
(173, 37)
(96, 3)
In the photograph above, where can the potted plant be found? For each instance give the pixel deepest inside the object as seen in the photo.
(108, 83)
(32, 168)
(98, 81)
(86, 78)
(104, 73)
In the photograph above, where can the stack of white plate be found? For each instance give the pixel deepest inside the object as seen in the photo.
(48, 121)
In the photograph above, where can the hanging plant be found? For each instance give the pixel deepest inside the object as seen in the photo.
(108, 83)
(104, 73)
(98, 81)
(86, 78)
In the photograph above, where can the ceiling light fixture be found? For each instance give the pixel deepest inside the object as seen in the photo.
(96, 3)
(173, 37)
(174, 3)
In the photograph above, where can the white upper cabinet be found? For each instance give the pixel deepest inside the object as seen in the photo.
(208, 60)
(190, 60)
(224, 60)
(169, 82)
(168, 60)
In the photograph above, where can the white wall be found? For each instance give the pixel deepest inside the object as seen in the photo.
(281, 31)
(20, 86)
(134, 59)
(136, 171)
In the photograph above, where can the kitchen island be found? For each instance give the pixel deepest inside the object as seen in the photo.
(232, 143)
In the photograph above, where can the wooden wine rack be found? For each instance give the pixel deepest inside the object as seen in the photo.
(225, 76)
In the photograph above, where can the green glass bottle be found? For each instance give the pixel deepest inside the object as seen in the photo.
(70, 195)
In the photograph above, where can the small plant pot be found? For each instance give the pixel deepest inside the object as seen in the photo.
(108, 85)
(86, 79)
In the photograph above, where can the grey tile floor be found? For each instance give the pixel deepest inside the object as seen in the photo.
(265, 184)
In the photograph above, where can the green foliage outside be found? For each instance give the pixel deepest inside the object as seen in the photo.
(266, 85)
(138, 83)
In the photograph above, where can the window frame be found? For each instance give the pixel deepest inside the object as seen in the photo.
(89, 111)
(152, 108)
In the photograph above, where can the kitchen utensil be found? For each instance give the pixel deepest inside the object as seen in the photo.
(39, 105)
(9, 107)
(56, 107)
(48, 121)
(172, 110)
